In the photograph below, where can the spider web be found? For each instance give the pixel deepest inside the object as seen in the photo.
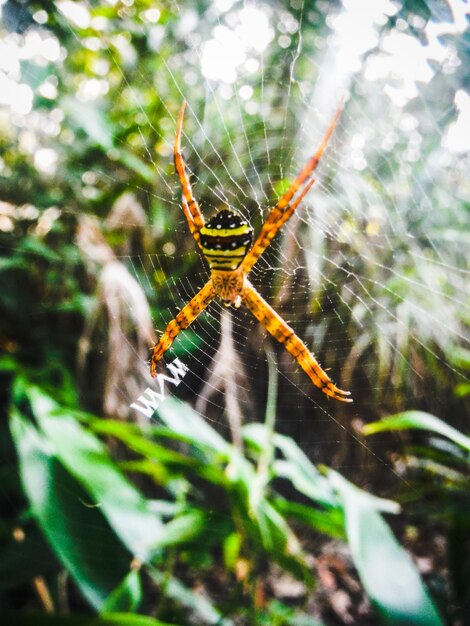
(371, 271)
(359, 271)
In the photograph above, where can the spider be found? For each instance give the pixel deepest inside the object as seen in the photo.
(226, 243)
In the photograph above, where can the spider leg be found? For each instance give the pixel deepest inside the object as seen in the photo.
(192, 226)
(190, 205)
(185, 317)
(283, 333)
(271, 227)
(281, 212)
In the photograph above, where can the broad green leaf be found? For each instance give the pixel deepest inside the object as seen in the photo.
(108, 619)
(274, 531)
(182, 419)
(419, 420)
(327, 521)
(306, 480)
(265, 522)
(88, 461)
(305, 477)
(138, 440)
(297, 467)
(387, 572)
(127, 596)
(183, 528)
(202, 460)
(78, 534)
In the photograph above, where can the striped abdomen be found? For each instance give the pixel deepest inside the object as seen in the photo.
(225, 240)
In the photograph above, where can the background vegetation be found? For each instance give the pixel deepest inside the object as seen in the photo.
(247, 499)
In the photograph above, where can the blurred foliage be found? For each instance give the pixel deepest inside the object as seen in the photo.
(439, 469)
(98, 524)
(169, 519)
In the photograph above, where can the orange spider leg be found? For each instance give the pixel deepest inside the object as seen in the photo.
(185, 317)
(311, 164)
(283, 333)
(281, 212)
(270, 228)
(192, 226)
(190, 205)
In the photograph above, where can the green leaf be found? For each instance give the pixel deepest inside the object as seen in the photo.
(88, 461)
(11, 263)
(327, 521)
(108, 619)
(184, 528)
(78, 534)
(231, 549)
(138, 440)
(201, 610)
(36, 247)
(182, 419)
(127, 596)
(386, 570)
(279, 540)
(459, 356)
(420, 420)
(297, 467)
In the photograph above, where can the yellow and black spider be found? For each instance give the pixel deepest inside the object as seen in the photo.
(225, 241)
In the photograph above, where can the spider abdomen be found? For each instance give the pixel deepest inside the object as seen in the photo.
(225, 240)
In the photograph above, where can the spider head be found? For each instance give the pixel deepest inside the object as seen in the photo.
(225, 240)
